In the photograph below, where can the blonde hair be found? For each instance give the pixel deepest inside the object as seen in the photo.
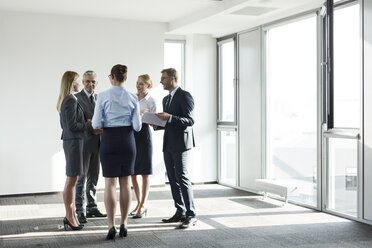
(146, 78)
(66, 87)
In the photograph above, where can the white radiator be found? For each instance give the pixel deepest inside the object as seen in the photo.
(271, 186)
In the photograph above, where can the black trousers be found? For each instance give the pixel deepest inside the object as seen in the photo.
(176, 164)
(91, 172)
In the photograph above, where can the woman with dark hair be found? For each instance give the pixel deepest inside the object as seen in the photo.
(117, 112)
(73, 126)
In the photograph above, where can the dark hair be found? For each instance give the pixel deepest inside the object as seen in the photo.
(171, 72)
(119, 72)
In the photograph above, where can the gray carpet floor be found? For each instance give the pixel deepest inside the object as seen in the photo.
(226, 218)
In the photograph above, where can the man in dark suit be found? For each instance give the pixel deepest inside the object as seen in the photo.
(177, 143)
(91, 162)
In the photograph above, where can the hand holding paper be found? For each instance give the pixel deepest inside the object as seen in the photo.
(153, 119)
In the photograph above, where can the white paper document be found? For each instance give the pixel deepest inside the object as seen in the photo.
(151, 118)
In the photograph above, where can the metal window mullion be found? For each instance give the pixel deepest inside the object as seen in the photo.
(361, 128)
(330, 68)
(264, 38)
(320, 112)
(183, 63)
(219, 98)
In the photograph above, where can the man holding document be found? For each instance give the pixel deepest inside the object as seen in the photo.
(177, 143)
(153, 119)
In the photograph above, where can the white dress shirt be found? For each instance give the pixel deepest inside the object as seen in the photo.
(147, 104)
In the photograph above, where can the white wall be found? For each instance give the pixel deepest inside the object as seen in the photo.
(35, 50)
(250, 109)
(200, 81)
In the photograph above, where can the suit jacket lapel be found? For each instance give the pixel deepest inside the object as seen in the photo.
(84, 100)
(79, 105)
(85, 97)
(174, 100)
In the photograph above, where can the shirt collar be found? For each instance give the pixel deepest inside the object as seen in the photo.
(87, 93)
(147, 96)
(174, 91)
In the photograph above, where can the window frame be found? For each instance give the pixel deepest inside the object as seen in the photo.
(328, 60)
(221, 41)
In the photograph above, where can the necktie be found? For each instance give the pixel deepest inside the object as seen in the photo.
(92, 99)
(167, 103)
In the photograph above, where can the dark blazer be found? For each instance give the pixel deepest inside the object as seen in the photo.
(178, 134)
(72, 119)
(91, 141)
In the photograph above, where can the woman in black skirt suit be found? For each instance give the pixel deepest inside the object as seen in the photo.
(117, 112)
(73, 125)
(143, 165)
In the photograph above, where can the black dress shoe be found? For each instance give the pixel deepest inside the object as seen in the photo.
(67, 223)
(174, 218)
(95, 213)
(111, 233)
(190, 221)
(123, 231)
(81, 218)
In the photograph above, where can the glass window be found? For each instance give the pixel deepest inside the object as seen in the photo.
(228, 156)
(227, 81)
(347, 68)
(343, 175)
(342, 153)
(291, 107)
(227, 136)
(174, 57)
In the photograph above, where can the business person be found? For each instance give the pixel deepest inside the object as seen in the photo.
(143, 164)
(178, 140)
(73, 126)
(87, 99)
(117, 112)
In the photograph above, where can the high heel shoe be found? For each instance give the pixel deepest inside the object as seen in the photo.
(139, 216)
(111, 234)
(67, 223)
(123, 231)
(132, 213)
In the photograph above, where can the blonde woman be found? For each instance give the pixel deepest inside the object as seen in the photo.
(143, 165)
(73, 126)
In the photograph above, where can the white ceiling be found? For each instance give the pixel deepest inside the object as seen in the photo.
(215, 17)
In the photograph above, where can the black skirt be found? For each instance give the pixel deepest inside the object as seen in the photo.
(73, 149)
(143, 165)
(117, 151)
